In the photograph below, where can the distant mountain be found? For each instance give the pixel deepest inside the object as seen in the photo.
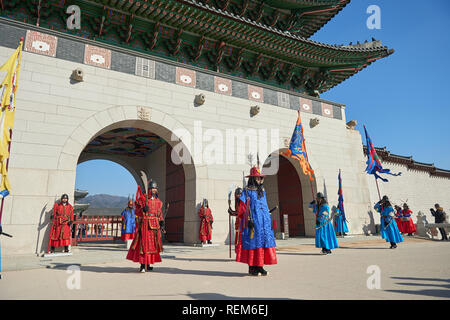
(105, 201)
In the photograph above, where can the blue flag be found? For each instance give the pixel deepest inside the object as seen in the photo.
(373, 161)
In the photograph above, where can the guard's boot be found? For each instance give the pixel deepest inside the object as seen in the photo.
(262, 272)
(149, 268)
(209, 242)
(253, 271)
(142, 268)
(66, 248)
(324, 251)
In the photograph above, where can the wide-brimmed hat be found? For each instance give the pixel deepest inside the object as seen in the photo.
(255, 172)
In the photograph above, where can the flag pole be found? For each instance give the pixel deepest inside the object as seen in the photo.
(229, 234)
(378, 188)
(306, 154)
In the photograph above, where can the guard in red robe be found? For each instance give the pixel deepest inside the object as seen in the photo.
(408, 223)
(238, 231)
(398, 218)
(62, 218)
(147, 243)
(206, 221)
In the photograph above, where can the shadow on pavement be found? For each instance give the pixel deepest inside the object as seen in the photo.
(300, 254)
(421, 279)
(157, 269)
(365, 248)
(199, 272)
(104, 249)
(424, 284)
(438, 293)
(110, 269)
(218, 296)
(98, 269)
(431, 293)
(202, 259)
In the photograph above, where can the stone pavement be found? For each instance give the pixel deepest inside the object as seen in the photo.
(101, 252)
(417, 269)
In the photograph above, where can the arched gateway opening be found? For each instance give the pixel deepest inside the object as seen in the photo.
(141, 150)
(140, 145)
(288, 188)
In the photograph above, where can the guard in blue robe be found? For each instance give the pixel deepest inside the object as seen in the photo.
(340, 224)
(128, 222)
(258, 241)
(325, 235)
(389, 229)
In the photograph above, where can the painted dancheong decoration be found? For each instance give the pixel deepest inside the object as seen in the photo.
(263, 41)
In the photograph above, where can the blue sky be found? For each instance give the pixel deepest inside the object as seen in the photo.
(403, 99)
(107, 177)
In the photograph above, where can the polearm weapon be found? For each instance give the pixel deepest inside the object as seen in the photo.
(248, 214)
(229, 217)
(143, 232)
(244, 221)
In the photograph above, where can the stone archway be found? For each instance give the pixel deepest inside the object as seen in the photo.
(290, 189)
(154, 121)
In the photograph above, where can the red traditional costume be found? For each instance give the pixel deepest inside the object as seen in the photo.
(206, 219)
(408, 226)
(147, 243)
(60, 234)
(238, 230)
(398, 218)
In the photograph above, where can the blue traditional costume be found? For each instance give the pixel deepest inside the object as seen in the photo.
(325, 235)
(340, 224)
(128, 222)
(258, 241)
(389, 230)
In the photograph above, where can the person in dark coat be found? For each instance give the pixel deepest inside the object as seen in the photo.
(439, 217)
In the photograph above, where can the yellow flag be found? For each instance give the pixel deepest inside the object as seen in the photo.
(8, 89)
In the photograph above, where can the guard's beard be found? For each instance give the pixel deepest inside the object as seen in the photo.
(260, 190)
(259, 186)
